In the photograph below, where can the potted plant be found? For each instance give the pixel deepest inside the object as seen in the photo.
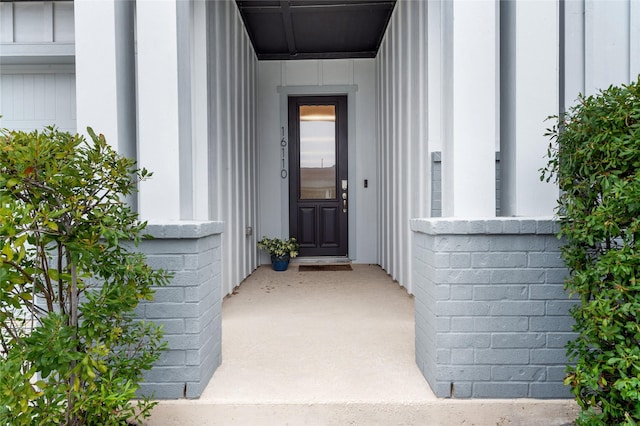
(281, 250)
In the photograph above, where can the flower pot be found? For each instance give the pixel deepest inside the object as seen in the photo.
(279, 263)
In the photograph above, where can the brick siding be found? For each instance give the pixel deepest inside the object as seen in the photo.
(189, 307)
(491, 311)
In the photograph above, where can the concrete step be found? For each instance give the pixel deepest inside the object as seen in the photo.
(445, 412)
(320, 260)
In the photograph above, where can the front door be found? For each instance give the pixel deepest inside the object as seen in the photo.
(318, 187)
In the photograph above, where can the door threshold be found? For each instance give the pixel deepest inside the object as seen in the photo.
(321, 260)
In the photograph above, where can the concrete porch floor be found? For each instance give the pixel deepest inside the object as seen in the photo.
(332, 348)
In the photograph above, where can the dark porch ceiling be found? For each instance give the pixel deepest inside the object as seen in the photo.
(315, 29)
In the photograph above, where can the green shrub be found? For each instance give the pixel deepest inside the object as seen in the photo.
(279, 247)
(595, 157)
(73, 350)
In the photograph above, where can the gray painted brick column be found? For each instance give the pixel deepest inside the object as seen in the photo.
(189, 307)
(490, 307)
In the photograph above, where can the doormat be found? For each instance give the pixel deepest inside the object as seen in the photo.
(309, 268)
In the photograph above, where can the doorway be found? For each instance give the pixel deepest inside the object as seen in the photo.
(318, 174)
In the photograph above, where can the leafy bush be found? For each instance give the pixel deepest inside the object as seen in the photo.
(279, 247)
(596, 161)
(73, 351)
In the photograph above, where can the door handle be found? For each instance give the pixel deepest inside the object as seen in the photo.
(344, 202)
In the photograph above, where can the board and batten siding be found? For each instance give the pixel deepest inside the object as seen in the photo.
(352, 77)
(35, 97)
(217, 114)
(601, 46)
(232, 140)
(37, 80)
(403, 151)
(36, 28)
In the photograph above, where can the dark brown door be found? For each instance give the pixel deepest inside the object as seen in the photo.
(318, 186)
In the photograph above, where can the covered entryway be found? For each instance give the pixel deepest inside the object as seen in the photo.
(185, 88)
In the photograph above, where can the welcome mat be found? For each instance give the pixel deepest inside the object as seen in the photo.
(309, 268)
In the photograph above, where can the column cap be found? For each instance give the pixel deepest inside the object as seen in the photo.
(183, 229)
(547, 225)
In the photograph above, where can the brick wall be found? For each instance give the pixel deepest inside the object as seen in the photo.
(189, 307)
(491, 313)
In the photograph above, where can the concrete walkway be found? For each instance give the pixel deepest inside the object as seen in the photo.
(331, 348)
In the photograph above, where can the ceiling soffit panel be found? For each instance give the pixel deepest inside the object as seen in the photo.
(315, 29)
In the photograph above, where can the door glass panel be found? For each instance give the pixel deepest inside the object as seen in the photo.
(317, 152)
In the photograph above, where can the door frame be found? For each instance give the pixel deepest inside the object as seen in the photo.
(319, 206)
(330, 90)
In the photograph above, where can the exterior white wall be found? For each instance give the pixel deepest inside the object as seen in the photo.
(402, 115)
(551, 51)
(158, 109)
(174, 79)
(529, 87)
(232, 150)
(199, 208)
(433, 68)
(32, 97)
(135, 78)
(36, 32)
(37, 81)
(354, 77)
(184, 105)
(601, 46)
(109, 107)
(470, 107)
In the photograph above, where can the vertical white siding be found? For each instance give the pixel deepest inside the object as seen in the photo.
(382, 111)
(232, 143)
(36, 29)
(33, 22)
(471, 58)
(402, 126)
(105, 72)
(34, 97)
(529, 87)
(161, 112)
(200, 111)
(356, 79)
(601, 45)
